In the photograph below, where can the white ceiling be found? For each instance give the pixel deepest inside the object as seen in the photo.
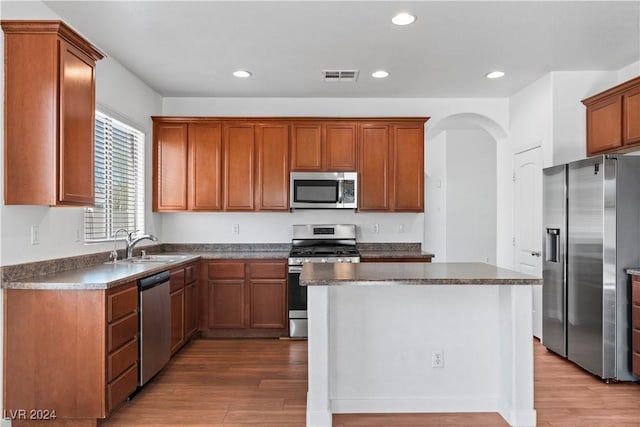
(185, 48)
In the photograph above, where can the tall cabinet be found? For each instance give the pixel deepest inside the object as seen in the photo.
(49, 114)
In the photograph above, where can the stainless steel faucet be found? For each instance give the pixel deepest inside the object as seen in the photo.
(130, 242)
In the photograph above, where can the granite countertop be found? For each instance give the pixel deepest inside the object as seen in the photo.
(99, 276)
(89, 272)
(372, 273)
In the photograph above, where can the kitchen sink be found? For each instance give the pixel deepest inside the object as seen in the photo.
(157, 258)
(151, 259)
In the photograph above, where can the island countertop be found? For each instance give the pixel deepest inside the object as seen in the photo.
(371, 273)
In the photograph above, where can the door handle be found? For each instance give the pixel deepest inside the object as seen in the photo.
(538, 254)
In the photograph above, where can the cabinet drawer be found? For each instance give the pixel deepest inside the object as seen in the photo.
(190, 273)
(635, 316)
(635, 289)
(636, 364)
(268, 270)
(121, 303)
(123, 386)
(177, 280)
(635, 340)
(122, 331)
(226, 270)
(121, 359)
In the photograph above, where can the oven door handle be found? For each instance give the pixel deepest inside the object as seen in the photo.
(295, 269)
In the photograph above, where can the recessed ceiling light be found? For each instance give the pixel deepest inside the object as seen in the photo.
(495, 75)
(242, 74)
(380, 74)
(403, 19)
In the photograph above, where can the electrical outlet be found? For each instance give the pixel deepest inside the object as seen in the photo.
(437, 359)
(401, 228)
(376, 228)
(35, 237)
(236, 228)
(78, 235)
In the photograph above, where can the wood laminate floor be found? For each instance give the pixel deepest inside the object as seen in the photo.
(234, 383)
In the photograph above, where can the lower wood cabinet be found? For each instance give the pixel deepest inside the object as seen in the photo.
(635, 323)
(244, 298)
(72, 351)
(184, 304)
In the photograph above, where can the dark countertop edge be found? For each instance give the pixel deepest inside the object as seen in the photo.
(421, 282)
(633, 271)
(395, 254)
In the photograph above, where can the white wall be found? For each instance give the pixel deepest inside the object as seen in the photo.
(435, 210)
(471, 196)
(569, 119)
(121, 92)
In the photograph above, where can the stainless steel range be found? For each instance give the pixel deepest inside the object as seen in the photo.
(325, 243)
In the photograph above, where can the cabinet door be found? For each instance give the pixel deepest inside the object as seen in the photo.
(631, 116)
(373, 179)
(272, 190)
(408, 168)
(170, 167)
(306, 147)
(239, 155)
(205, 166)
(177, 320)
(604, 125)
(340, 147)
(77, 109)
(226, 304)
(267, 303)
(190, 309)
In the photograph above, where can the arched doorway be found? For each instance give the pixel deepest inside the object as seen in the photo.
(461, 181)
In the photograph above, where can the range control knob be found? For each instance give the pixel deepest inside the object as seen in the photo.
(323, 260)
(341, 260)
(298, 261)
(307, 260)
(347, 260)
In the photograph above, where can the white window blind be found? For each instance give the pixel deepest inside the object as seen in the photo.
(119, 180)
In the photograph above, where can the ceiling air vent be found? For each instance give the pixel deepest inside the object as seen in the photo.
(340, 75)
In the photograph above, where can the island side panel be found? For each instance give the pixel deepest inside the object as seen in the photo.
(516, 355)
(381, 340)
(318, 405)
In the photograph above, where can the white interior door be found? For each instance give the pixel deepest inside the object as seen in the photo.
(528, 223)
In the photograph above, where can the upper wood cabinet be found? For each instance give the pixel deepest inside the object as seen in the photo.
(205, 166)
(239, 163)
(391, 167)
(272, 186)
(243, 164)
(324, 146)
(187, 166)
(407, 190)
(49, 114)
(613, 119)
(375, 152)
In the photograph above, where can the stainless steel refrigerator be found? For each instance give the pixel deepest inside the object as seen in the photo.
(591, 231)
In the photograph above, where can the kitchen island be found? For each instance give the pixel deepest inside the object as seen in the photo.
(419, 337)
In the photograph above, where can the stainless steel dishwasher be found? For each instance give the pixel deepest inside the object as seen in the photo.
(155, 325)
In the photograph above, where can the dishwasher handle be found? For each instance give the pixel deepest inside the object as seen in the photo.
(152, 281)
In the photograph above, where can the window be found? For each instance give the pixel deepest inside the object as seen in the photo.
(119, 180)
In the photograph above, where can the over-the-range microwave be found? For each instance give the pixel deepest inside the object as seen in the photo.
(324, 190)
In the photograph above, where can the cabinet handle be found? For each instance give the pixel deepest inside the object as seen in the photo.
(537, 254)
